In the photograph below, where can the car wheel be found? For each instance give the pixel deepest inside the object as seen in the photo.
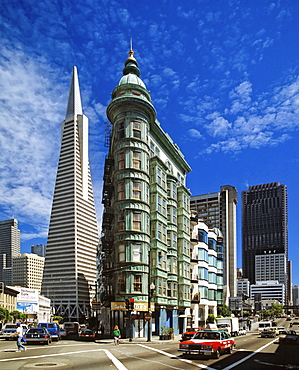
(230, 350)
(217, 353)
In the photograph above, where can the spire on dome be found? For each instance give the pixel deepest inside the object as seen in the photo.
(74, 105)
(131, 65)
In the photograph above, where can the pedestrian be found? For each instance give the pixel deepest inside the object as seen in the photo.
(116, 335)
(19, 334)
(102, 329)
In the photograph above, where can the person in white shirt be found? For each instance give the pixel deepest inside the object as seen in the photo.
(19, 334)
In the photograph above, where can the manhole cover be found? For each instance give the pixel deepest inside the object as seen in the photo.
(45, 365)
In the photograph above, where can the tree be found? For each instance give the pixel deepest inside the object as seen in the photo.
(211, 319)
(17, 315)
(4, 314)
(224, 311)
(58, 318)
(277, 309)
(266, 314)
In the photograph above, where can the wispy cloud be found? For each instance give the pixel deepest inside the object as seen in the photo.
(33, 100)
(198, 61)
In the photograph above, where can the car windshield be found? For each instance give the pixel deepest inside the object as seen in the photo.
(37, 330)
(207, 335)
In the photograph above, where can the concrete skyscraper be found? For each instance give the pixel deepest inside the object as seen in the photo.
(9, 247)
(27, 271)
(265, 233)
(219, 210)
(70, 262)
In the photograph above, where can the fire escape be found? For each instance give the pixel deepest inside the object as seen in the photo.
(106, 252)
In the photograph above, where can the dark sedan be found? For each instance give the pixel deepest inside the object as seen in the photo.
(87, 334)
(38, 335)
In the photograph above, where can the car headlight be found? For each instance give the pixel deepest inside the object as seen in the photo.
(206, 346)
(184, 346)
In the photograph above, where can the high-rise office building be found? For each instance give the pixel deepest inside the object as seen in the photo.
(218, 210)
(70, 264)
(27, 271)
(271, 264)
(146, 220)
(39, 249)
(268, 290)
(243, 288)
(295, 290)
(9, 247)
(265, 232)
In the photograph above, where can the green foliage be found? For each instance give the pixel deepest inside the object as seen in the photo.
(165, 330)
(277, 309)
(266, 314)
(17, 315)
(211, 319)
(4, 315)
(223, 311)
(58, 318)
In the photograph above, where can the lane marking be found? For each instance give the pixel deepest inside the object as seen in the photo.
(152, 362)
(249, 356)
(178, 358)
(116, 362)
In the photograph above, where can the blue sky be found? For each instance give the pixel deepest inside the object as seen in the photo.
(223, 77)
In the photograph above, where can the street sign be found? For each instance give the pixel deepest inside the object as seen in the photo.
(96, 304)
(147, 316)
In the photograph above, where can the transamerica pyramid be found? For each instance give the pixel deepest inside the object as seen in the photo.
(70, 264)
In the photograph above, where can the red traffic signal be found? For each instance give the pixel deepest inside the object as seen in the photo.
(131, 304)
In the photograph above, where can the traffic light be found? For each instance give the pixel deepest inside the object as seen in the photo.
(127, 304)
(131, 304)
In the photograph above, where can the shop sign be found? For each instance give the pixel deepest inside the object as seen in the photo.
(138, 306)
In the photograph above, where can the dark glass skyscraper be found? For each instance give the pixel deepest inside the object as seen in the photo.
(264, 224)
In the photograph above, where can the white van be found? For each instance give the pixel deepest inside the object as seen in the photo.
(264, 325)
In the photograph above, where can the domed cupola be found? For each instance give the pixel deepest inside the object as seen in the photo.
(131, 93)
(131, 71)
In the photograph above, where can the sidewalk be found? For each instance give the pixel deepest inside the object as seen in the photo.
(155, 338)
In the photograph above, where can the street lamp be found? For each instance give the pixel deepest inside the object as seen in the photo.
(151, 288)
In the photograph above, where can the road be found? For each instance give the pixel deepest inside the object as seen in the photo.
(252, 352)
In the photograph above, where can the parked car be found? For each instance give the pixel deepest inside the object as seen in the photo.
(242, 331)
(63, 333)
(9, 329)
(294, 322)
(281, 330)
(289, 338)
(269, 333)
(53, 329)
(208, 343)
(71, 327)
(188, 334)
(38, 335)
(87, 334)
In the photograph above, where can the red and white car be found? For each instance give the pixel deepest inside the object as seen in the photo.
(189, 333)
(208, 343)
